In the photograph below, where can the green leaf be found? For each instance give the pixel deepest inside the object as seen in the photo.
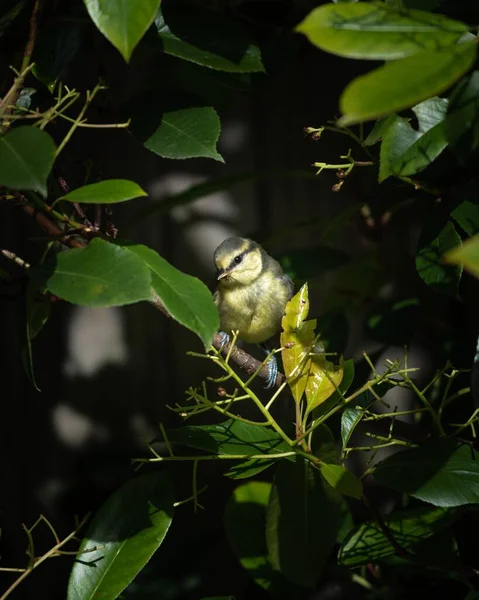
(381, 127)
(38, 310)
(186, 298)
(207, 38)
(405, 151)
(462, 121)
(443, 473)
(248, 468)
(342, 480)
(230, 437)
(123, 536)
(303, 518)
(466, 214)
(245, 522)
(109, 191)
(102, 274)
(349, 419)
(26, 159)
(403, 83)
(367, 543)
(378, 32)
(122, 23)
(336, 398)
(187, 133)
(429, 258)
(465, 256)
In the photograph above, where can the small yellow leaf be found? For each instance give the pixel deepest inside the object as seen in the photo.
(297, 340)
(467, 254)
(323, 380)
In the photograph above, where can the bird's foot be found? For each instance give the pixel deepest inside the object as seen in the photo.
(272, 365)
(225, 339)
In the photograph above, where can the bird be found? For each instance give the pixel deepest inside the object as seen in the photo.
(251, 295)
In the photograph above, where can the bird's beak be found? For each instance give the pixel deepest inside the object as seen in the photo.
(220, 273)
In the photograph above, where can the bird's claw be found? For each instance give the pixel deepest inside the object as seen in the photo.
(272, 365)
(225, 339)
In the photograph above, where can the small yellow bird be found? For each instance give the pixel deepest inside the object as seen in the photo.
(251, 294)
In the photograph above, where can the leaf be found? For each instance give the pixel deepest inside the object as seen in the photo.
(26, 159)
(102, 274)
(405, 151)
(312, 261)
(245, 522)
(379, 130)
(465, 256)
(187, 133)
(443, 473)
(248, 468)
(123, 536)
(342, 480)
(207, 38)
(378, 32)
(109, 191)
(430, 267)
(401, 84)
(186, 298)
(466, 214)
(353, 414)
(230, 437)
(324, 379)
(297, 340)
(337, 396)
(367, 543)
(462, 120)
(303, 518)
(122, 23)
(38, 310)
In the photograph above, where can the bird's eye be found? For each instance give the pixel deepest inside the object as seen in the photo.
(238, 259)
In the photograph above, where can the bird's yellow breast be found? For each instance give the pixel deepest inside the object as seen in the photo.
(254, 310)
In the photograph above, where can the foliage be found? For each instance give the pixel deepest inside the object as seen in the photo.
(306, 509)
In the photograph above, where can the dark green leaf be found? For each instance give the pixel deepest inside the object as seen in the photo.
(303, 519)
(207, 38)
(393, 322)
(122, 23)
(187, 133)
(102, 274)
(378, 32)
(381, 127)
(248, 468)
(38, 309)
(123, 535)
(353, 414)
(342, 480)
(462, 121)
(429, 259)
(55, 48)
(323, 445)
(443, 473)
(312, 261)
(26, 158)
(465, 256)
(466, 214)
(245, 522)
(230, 437)
(367, 543)
(186, 298)
(109, 191)
(402, 83)
(406, 151)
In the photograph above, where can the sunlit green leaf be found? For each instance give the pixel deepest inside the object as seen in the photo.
(109, 191)
(122, 537)
(376, 31)
(122, 23)
(342, 480)
(403, 83)
(465, 255)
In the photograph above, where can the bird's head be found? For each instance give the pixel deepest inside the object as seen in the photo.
(239, 261)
